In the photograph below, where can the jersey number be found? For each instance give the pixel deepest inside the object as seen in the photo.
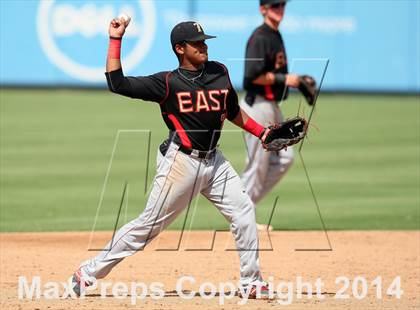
(280, 60)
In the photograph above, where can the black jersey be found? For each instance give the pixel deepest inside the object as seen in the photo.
(194, 104)
(265, 52)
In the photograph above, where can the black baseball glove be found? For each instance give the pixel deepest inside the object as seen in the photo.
(307, 86)
(280, 136)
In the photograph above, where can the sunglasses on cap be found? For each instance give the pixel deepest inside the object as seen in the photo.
(277, 5)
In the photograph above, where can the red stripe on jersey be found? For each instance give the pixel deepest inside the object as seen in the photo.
(180, 131)
(167, 87)
(268, 92)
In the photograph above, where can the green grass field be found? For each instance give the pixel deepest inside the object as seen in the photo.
(56, 147)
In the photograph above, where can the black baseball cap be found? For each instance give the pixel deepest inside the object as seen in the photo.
(269, 2)
(188, 32)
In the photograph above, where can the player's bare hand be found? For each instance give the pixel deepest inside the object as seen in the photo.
(292, 80)
(117, 28)
(270, 78)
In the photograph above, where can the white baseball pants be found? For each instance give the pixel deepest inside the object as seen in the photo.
(180, 177)
(263, 169)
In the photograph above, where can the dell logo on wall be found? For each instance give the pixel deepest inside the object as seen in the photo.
(74, 34)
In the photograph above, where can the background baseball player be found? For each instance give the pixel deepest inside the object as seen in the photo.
(194, 99)
(266, 82)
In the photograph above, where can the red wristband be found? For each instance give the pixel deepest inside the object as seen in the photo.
(253, 127)
(114, 49)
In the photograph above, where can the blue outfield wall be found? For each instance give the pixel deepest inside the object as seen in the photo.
(368, 45)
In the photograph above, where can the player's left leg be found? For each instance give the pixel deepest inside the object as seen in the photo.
(226, 191)
(257, 162)
(279, 162)
(278, 166)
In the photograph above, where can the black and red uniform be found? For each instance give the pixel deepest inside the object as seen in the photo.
(265, 52)
(194, 104)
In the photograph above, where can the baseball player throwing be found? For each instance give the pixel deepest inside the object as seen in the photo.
(194, 99)
(266, 82)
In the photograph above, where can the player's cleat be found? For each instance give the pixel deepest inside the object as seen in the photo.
(255, 292)
(78, 283)
(264, 227)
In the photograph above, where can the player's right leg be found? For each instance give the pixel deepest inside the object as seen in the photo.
(173, 188)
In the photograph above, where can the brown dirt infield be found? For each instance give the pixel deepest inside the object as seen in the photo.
(54, 256)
